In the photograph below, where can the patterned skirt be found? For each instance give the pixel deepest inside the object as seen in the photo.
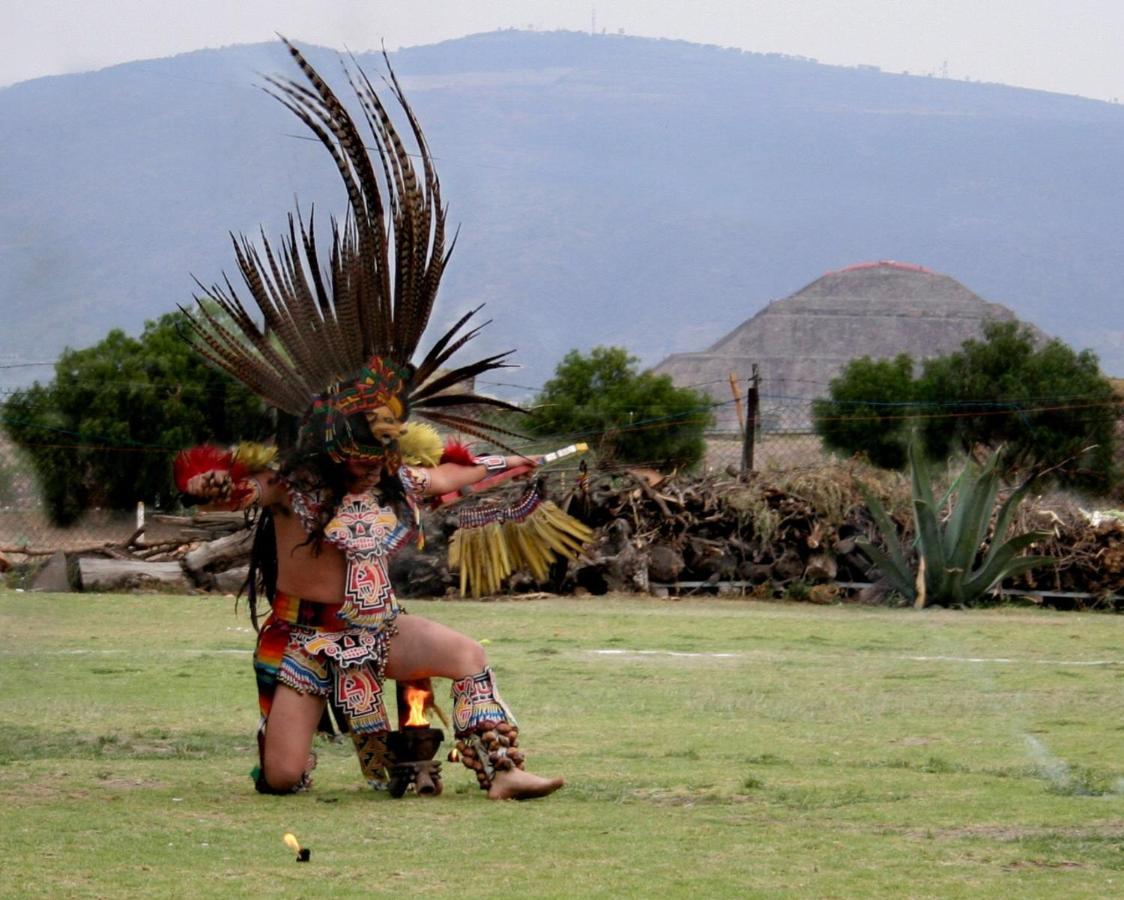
(308, 647)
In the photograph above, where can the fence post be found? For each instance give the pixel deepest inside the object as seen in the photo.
(751, 401)
(138, 535)
(736, 391)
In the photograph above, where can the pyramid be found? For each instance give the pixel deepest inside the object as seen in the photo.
(876, 309)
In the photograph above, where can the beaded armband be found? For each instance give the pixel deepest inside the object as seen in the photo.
(492, 463)
(245, 493)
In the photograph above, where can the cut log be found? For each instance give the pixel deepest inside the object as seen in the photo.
(821, 567)
(874, 593)
(614, 563)
(231, 580)
(203, 526)
(788, 566)
(220, 554)
(118, 574)
(204, 520)
(664, 563)
(53, 577)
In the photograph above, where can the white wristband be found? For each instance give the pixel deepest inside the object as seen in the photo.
(492, 463)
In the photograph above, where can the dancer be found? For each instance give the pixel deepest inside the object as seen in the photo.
(335, 352)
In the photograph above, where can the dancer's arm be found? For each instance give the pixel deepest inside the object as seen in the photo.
(450, 477)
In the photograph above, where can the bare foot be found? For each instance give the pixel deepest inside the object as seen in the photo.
(515, 784)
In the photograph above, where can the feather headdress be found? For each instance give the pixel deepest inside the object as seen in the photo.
(334, 340)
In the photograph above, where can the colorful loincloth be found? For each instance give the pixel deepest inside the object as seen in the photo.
(310, 648)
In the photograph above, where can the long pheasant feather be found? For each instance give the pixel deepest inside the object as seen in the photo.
(320, 324)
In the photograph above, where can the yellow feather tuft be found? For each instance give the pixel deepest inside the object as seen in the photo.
(255, 457)
(487, 554)
(421, 445)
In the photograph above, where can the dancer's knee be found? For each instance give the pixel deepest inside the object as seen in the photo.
(473, 659)
(283, 778)
(465, 657)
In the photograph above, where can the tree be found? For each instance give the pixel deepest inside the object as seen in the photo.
(1050, 407)
(634, 417)
(104, 431)
(870, 402)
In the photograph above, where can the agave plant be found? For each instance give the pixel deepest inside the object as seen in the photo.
(950, 571)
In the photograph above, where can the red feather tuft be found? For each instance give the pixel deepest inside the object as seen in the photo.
(238, 470)
(456, 452)
(197, 460)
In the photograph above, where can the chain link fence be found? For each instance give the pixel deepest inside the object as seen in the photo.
(782, 439)
(782, 444)
(771, 452)
(26, 531)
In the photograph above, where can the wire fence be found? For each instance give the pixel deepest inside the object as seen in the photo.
(26, 530)
(25, 526)
(782, 443)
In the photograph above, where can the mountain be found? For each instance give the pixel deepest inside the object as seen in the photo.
(608, 189)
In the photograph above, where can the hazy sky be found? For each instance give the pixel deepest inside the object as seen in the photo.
(1070, 46)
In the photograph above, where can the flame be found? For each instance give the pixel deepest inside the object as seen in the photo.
(417, 698)
(454, 755)
(291, 842)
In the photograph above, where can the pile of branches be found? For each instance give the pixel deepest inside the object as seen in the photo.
(720, 531)
(795, 534)
(1087, 549)
(791, 534)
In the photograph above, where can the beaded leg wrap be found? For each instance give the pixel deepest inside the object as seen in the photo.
(374, 758)
(487, 733)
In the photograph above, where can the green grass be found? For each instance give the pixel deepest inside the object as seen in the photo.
(722, 748)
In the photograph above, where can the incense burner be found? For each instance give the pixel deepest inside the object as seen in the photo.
(412, 748)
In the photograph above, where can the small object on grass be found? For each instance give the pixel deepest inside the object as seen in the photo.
(303, 853)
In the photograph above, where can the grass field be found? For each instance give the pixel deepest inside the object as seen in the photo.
(712, 748)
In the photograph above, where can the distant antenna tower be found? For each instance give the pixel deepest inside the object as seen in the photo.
(593, 20)
(944, 69)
